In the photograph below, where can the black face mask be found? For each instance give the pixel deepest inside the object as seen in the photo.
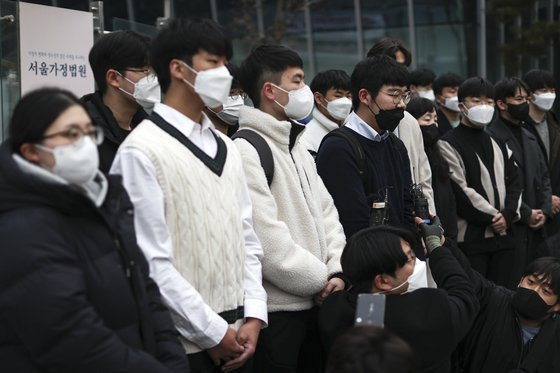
(430, 134)
(388, 120)
(519, 112)
(529, 305)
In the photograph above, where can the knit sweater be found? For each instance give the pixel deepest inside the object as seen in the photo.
(387, 171)
(485, 181)
(202, 214)
(295, 218)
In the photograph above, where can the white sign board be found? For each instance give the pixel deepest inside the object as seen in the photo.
(54, 48)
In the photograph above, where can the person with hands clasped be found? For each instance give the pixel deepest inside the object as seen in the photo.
(511, 98)
(380, 260)
(192, 205)
(295, 217)
(485, 181)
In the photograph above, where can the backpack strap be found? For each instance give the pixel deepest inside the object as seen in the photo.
(357, 149)
(262, 148)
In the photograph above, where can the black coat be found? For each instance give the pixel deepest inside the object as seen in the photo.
(494, 344)
(431, 321)
(102, 117)
(537, 193)
(75, 295)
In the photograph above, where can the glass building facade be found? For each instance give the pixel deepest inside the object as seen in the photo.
(444, 35)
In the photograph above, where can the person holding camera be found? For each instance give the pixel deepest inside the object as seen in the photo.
(380, 260)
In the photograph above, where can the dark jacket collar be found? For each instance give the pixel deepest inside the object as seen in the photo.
(103, 117)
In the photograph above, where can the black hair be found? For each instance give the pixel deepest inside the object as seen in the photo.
(374, 72)
(181, 39)
(476, 87)
(370, 349)
(35, 112)
(507, 87)
(422, 77)
(546, 268)
(266, 63)
(446, 80)
(419, 106)
(389, 47)
(538, 79)
(118, 50)
(325, 80)
(374, 251)
(234, 72)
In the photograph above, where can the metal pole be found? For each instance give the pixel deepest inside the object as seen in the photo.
(260, 19)
(309, 37)
(481, 17)
(551, 47)
(359, 29)
(411, 32)
(130, 10)
(502, 39)
(535, 60)
(214, 10)
(519, 23)
(167, 8)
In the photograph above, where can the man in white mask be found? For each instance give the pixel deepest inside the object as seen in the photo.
(125, 86)
(544, 124)
(295, 217)
(192, 209)
(420, 83)
(445, 89)
(486, 183)
(225, 117)
(333, 103)
(380, 260)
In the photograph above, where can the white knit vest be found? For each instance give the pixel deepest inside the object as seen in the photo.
(203, 216)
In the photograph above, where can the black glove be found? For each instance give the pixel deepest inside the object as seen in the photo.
(432, 234)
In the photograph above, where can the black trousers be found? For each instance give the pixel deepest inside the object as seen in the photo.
(200, 362)
(497, 266)
(290, 344)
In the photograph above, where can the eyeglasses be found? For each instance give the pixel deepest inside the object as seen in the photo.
(141, 70)
(398, 95)
(75, 134)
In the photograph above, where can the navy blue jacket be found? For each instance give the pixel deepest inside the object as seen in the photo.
(75, 295)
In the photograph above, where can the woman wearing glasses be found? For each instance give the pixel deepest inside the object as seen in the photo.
(75, 295)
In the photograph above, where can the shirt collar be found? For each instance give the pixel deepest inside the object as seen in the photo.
(357, 124)
(180, 121)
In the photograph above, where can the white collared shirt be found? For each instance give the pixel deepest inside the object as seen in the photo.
(357, 124)
(194, 319)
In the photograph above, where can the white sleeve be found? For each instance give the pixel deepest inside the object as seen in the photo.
(193, 318)
(255, 295)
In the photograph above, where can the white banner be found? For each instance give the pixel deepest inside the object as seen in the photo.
(54, 48)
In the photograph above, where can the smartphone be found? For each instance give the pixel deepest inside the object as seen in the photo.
(370, 310)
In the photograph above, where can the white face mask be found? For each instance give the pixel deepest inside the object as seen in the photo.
(146, 92)
(230, 111)
(300, 102)
(339, 108)
(76, 163)
(418, 279)
(212, 85)
(454, 123)
(427, 94)
(452, 103)
(544, 101)
(480, 115)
